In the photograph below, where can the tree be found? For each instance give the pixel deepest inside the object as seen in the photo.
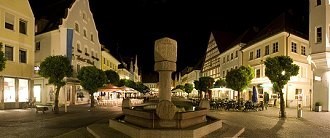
(198, 88)
(128, 83)
(112, 77)
(2, 59)
(188, 87)
(91, 79)
(205, 84)
(179, 87)
(220, 83)
(55, 68)
(279, 69)
(142, 88)
(239, 79)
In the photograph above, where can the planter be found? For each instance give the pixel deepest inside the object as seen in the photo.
(318, 108)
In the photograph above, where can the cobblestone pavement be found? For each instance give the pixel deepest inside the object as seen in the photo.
(29, 124)
(267, 124)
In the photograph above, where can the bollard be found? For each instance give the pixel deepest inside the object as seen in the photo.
(299, 111)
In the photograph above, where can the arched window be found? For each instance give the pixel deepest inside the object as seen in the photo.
(76, 27)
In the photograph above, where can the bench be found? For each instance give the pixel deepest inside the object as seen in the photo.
(41, 108)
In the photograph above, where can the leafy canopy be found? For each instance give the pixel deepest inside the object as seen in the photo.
(188, 87)
(2, 59)
(112, 76)
(220, 83)
(239, 79)
(127, 82)
(91, 78)
(279, 69)
(55, 68)
(206, 83)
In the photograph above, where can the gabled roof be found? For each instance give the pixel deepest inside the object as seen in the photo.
(285, 22)
(223, 39)
(49, 13)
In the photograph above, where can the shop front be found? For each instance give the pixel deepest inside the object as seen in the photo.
(16, 92)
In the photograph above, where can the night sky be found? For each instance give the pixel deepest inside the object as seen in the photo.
(130, 27)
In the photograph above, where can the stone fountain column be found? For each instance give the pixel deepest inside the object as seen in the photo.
(165, 63)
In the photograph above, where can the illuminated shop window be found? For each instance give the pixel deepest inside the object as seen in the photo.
(37, 92)
(23, 91)
(9, 90)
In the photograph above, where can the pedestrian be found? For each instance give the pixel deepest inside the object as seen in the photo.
(266, 100)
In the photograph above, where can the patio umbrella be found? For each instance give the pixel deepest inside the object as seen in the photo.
(109, 88)
(254, 94)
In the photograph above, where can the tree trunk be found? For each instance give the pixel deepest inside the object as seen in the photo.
(200, 95)
(56, 109)
(210, 94)
(282, 105)
(239, 100)
(92, 100)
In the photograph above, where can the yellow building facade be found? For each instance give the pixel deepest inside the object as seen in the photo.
(17, 38)
(108, 61)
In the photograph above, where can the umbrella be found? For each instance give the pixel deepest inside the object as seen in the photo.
(109, 88)
(177, 90)
(254, 95)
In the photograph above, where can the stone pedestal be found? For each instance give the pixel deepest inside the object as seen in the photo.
(165, 63)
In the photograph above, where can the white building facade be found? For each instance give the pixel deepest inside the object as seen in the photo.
(76, 38)
(319, 25)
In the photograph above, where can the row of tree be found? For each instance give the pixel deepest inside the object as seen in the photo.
(279, 69)
(58, 68)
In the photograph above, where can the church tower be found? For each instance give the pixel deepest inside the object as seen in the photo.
(319, 41)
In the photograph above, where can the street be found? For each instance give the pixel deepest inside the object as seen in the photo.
(28, 123)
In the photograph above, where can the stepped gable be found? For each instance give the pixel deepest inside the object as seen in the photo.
(49, 16)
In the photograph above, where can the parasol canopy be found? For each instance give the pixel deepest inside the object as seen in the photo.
(110, 88)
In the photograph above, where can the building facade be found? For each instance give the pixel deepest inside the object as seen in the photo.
(17, 40)
(319, 39)
(75, 37)
(108, 61)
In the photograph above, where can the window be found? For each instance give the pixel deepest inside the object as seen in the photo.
(22, 56)
(236, 55)
(303, 50)
(232, 56)
(92, 37)
(78, 47)
(22, 26)
(251, 55)
(318, 2)
(85, 33)
(9, 21)
(37, 46)
(294, 47)
(76, 27)
(104, 61)
(267, 50)
(275, 47)
(9, 51)
(258, 53)
(224, 60)
(319, 35)
(92, 53)
(227, 57)
(258, 73)
(84, 16)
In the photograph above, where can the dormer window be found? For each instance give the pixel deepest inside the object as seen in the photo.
(84, 16)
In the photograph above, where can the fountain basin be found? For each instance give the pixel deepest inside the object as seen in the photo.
(193, 131)
(149, 119)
